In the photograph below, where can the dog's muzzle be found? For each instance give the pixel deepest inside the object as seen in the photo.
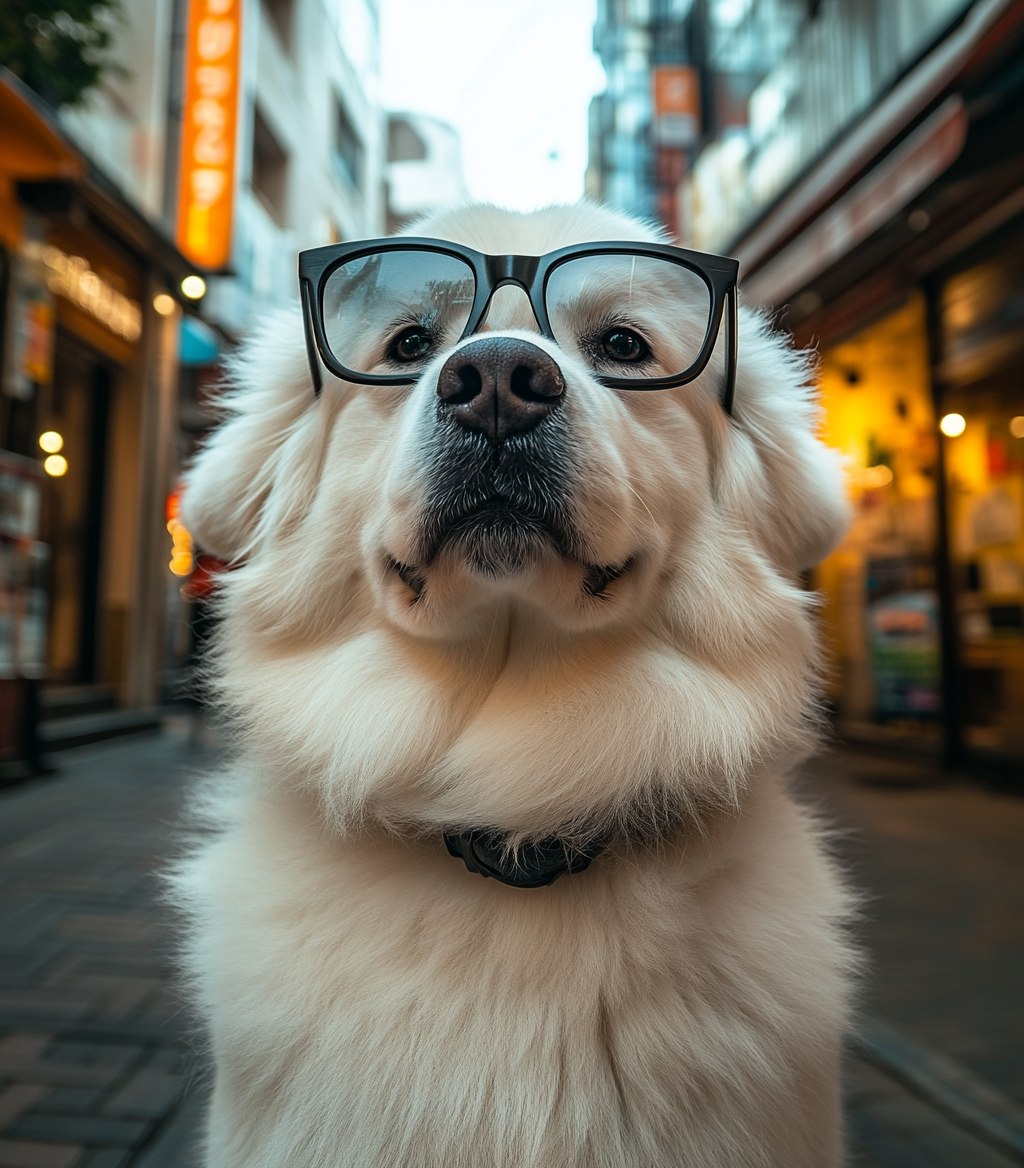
(530, 866)
(500, 386)
(500, 474)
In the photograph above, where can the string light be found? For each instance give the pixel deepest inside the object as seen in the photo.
(56, 465)
(51, 441)
(953, 425)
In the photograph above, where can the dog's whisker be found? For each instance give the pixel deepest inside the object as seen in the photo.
(642, 503)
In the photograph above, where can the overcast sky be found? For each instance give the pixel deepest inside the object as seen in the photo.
(514, 77)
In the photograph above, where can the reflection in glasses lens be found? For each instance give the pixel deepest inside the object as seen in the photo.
(391, 312)
(629, 315)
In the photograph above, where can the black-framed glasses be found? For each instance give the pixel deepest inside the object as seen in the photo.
(640, 315)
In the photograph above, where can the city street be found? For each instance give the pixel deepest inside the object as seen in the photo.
(943, 921)
(96, 1059)
(100, 1070)
(801, 225)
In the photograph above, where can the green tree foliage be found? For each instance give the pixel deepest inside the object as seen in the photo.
(60, 48)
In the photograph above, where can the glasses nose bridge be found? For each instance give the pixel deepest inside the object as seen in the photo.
(509, 271)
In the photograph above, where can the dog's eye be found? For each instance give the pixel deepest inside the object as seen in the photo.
(411, 344)
(624, 345)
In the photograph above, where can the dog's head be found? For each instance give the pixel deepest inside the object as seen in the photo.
(506, 593)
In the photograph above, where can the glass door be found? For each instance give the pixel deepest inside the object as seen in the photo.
(982, 373)
(880, 606)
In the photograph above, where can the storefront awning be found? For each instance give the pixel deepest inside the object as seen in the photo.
(31, 149)
(914, 165)
(38, 159)
(197, 344)
(987, 23)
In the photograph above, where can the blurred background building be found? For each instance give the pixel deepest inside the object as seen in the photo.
(161, 164)
(87, 430)
(162, 161)
(424, 168)
(865, 161)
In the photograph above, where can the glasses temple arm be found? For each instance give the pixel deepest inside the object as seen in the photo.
(731, 345)
(307, 326)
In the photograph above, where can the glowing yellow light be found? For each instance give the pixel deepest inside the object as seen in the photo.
(181, 552)
(194, 287)
(51, 441)
(953, 425)
(55, 465)
(875, 477)
(164, 304)
(1017, 426)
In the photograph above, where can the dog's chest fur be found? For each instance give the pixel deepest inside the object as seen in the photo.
(376, 1004)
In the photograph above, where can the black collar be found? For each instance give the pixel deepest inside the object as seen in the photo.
(530, 866)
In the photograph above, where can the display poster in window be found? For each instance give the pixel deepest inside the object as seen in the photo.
(903, 633)
(23, 569)
(29, 333)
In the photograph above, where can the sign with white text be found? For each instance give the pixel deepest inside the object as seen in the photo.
(209, 132)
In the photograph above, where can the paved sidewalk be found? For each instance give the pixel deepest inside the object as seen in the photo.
(940, 862)
(94, 1062)
(96, 1070)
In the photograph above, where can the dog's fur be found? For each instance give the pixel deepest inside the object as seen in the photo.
(370, 1001)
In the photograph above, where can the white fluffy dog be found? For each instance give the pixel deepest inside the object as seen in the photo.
(589, 637)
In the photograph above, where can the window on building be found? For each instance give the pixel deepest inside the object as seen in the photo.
(281, 14)
(404, 144)
(269, 170)
(348, 146)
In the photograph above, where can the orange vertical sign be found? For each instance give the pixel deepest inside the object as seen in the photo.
(209, 130)
(676, 90)
(677, 105)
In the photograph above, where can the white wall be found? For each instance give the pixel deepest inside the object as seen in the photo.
(122, 125)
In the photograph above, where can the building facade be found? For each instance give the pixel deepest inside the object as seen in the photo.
(865, 163)
(88, 291)
(259, 121)
(647, 121)
(424, 168)
(307, 151)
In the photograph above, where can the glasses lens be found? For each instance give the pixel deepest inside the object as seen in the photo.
(391, 311)
(629, 315)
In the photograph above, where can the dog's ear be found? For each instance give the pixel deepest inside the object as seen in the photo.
(779, 480)
(269, 409)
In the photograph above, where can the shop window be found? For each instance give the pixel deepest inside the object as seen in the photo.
(348, 146)
(983, 352)
(269, 170)
(879, 588)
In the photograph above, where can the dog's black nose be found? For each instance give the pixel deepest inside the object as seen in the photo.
(500, 386)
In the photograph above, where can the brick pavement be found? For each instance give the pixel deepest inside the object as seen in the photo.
(939, 860)
(942, 862)
(93, 1058)
(96, 1070)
